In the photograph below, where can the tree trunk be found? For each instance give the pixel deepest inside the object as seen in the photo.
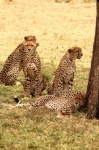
(92, 94)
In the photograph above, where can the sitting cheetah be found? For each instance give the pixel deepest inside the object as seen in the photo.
(33, 77)
(64, 105)
(64, 75)
(31, 85)
(13, 64)
(24, 57)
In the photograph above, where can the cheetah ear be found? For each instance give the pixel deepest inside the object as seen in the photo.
(34, 38)
(37, 44)
(69, 50)
(25, 38)
(30, 38)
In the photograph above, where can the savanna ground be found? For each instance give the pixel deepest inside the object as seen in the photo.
(57, 26)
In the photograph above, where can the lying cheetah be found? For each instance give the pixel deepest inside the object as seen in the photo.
(64, 105)
(64, 75)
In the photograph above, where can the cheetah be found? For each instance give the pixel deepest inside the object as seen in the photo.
(33, 76)
(13, 64)
(65, 105)
(65, 72)
(26, 58)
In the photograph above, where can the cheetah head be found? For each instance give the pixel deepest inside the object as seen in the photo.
(30, 47)
(75, 53)
(79, 100)
(31, 38)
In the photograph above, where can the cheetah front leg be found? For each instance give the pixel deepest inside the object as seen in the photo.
(68, 84)
(58, 88)
(63, 111)
(50, 88)
(37, 91)
(30, 72)
(26, 87)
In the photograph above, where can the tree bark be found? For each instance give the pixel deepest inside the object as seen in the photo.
(92, 94)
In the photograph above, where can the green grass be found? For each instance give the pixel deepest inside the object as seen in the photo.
(57, 27)
(40, 129)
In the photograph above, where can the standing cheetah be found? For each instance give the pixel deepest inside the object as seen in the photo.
(64, 75)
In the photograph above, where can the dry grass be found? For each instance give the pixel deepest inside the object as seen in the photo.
(57, 27)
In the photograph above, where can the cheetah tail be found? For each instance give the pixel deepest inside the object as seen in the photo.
(16, 99)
